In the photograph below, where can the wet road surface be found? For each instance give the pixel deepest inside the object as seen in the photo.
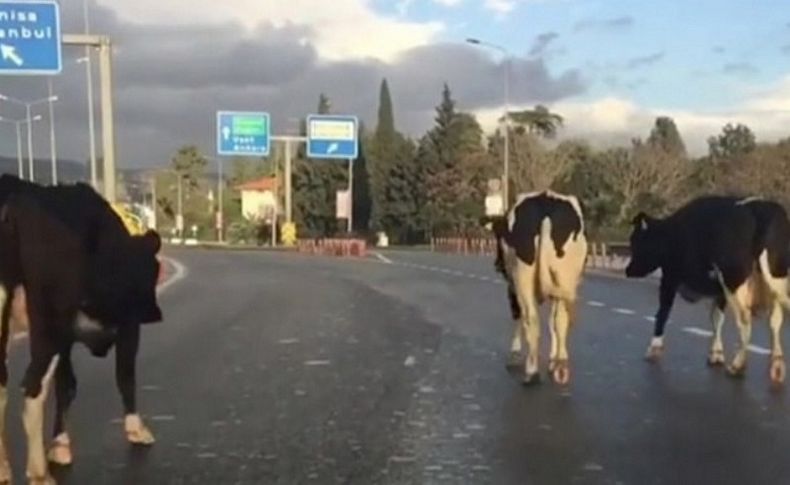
(284, 368)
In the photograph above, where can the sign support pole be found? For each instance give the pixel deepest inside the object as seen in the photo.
(350, 195)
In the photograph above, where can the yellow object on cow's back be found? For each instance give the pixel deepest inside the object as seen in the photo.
(131, 221)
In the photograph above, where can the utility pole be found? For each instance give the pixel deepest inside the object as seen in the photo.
(350, 194)
(220, 213)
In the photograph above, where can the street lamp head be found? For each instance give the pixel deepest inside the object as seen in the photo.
(52, 98)
(472, 40)
(36, 118)
(3, 97)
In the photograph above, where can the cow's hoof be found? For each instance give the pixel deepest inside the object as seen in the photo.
(531, 379)
(514, 361)
(736, 371)
(45, 480)
(562, 372)
(654, 353)
(552, 364)
(716, 358)
(140, 436)
(5, 474)
(60, 454)
(777, 370)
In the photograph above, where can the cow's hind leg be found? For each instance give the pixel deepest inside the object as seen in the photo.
(743, 318)
(562, 371)
(5, 305)
(514, 358)
(716, 355)
(65, 392)
(36, 384)
(553, 333)
(774, 272)
(125, 375)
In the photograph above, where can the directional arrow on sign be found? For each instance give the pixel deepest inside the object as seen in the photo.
(333, 147)
(8, 53)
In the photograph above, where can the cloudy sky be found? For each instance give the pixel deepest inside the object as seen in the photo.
(609, 67)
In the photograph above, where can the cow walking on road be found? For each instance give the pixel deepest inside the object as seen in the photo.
(69, 267)
(541, 252)
(733, 251)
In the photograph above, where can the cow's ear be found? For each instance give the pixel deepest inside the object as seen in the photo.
(641, 221)
(151, 241)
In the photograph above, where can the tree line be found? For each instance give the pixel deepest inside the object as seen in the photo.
(435, 185)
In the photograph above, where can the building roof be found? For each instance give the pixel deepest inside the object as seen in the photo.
(261, 184)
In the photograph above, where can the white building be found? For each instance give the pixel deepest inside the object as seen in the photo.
(259, 199)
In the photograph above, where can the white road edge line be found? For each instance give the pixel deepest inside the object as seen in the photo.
(383, 258)
(596, 304)
(180, 274)
(701, 332)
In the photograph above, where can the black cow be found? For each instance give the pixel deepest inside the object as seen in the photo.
(541, 252)
(69, 254)
(724, 248)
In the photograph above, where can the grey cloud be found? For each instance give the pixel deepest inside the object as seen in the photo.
(738, 68)
(542, 42)
(644, 60)
(718, 49)
(616, 23)
(170, 83)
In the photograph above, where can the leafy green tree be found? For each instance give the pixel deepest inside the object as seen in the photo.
(734, 140)
(665, 136)
(539, 121)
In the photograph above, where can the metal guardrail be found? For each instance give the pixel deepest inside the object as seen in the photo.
(602, 255)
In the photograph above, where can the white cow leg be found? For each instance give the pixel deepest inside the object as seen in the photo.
(716, 355)
(562, 372)
(5, 467)
(743, 319)
(553, 333)
(33, 419)
(532, 330)
(5, 305)
(777, 370)
(514, 359)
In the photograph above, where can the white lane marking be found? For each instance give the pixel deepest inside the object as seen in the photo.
(624, 311)
(650, 318)
(596, 304)
(701, 332)
(383, 258)
(288, 341)
(180, 274)
(314, 363)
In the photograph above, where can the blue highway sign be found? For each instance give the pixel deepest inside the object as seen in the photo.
(243, 133)
(332, 136)
(30, 38)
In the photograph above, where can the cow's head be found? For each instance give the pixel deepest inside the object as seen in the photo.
(122, 282)
(647, 246)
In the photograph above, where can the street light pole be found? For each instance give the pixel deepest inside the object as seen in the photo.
(52, 148)
(27, 106)
(89, 77)
(220, 215)
(18, 125)
(506, 162)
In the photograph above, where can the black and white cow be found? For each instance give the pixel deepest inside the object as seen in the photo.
(727, 249)
(541, 252)
(82, 277)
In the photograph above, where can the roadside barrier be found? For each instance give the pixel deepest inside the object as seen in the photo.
(333, 247)
(607, 255)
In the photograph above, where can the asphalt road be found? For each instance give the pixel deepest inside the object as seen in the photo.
(285, 368)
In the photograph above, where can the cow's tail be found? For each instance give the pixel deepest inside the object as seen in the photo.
(780, 287)
(543, 259)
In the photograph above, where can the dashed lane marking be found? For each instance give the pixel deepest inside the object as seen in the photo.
(624, 311)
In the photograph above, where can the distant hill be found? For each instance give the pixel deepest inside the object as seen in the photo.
(68, 170)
